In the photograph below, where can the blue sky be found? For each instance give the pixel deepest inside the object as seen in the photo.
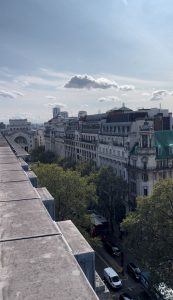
(56, 51)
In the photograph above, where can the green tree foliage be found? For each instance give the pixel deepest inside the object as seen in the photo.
(39, 154)
(67, 163)
(72, 193)
(150, 232)
(85, 168)
(112, 191)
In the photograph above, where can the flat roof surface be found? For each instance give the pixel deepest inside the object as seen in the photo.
(8, 176)
(3, 142)
(17, 191)
(21, 219)
(44, 194)
(35, 259)
(6, 159)
(41, 268)
(6, 151)
(11, 167)
(74, 238)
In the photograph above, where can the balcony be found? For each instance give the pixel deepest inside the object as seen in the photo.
(145, 151)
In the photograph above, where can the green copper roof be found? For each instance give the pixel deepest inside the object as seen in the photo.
(164, 144)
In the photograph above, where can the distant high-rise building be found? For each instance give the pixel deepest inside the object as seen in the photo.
(56, 111)
(82, 113)
(64, 114)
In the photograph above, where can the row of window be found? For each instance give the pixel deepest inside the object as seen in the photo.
(86, 146)
(88, 138)
(112, 162)
(156, 175)
(88, 154)
(164, 163)
(116, 129)
(19, 128)
(112, 152)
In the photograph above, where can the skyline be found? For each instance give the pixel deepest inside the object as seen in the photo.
(90, 56)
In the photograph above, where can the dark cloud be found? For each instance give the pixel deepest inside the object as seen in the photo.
(88, 82)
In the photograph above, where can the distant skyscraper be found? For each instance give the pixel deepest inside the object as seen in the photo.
(56, 111)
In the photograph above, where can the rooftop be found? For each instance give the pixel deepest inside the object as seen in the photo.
(36, 261)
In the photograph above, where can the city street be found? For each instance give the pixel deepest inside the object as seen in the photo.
(103, 260)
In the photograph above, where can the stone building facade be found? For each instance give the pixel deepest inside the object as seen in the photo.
(128, 141)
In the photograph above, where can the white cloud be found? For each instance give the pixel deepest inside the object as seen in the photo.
(108, 99)
(156, 98)
(51, 97)
(7, 94)
(17, 93)
(84, 105)
(146, 94)
(23, 83)
(55, 104)
(159, 95)
(88, 82)
(126, 88)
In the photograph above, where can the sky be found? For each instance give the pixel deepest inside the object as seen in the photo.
(89, 55)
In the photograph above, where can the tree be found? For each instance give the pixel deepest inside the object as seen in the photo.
(72, 193)
(85, 168)
(150, 232)
(39, 154)
(67, 163)
(112, 191)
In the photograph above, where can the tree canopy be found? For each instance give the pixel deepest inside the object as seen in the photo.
(39, 154)
(72, 193)
(150, 232)
(112, 191)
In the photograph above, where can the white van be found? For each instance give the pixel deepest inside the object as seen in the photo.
(112, 278)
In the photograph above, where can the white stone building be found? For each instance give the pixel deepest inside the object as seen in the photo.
(20, 131)
(128, 141)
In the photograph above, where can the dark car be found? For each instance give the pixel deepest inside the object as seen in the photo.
(125, 296)
(133, 270)
(111, 247)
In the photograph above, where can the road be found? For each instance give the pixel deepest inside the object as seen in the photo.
(103, 260)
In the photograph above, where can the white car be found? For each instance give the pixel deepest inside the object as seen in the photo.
(112, 278)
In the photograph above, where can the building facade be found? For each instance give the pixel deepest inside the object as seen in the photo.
(128, 141)
(20, 131)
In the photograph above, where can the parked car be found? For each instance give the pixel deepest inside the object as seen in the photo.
(133, 270)
(112, 278)
(125, 296)
(112, 248)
